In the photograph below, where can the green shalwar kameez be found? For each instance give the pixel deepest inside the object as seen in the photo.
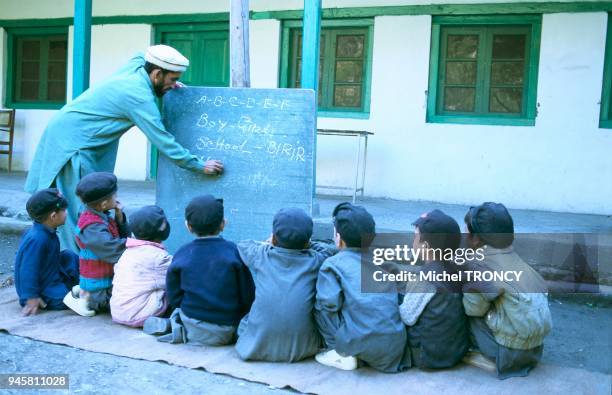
(83, 137)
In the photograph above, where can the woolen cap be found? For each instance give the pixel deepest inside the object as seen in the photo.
(45, 201)
(292, 228)
(150, 223)
(353, 223)
(167, 58)
(204, 214)
(96, 186)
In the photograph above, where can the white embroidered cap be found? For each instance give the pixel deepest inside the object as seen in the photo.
(167, 58)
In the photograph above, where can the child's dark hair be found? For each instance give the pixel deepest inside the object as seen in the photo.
(354, 224)
(439, 230)
(492, 223)
(204, 214)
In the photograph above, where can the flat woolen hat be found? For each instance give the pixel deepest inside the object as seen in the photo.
(96, 186)
(292, 228)
(45, 201)
(167, 58)
(441, 230)
(353, 223)
(150, 223)
(204, 214)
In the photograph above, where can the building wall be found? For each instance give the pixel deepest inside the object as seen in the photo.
(558, 164)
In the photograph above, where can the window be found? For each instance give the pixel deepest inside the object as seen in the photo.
(605, 117)
(344, 66)
(484, 70)
(37, 72)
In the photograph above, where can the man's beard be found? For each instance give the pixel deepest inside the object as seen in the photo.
(159, 89)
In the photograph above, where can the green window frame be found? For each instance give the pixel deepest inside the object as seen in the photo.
(332, 63)
(605, 111)
(44, 68)
(484, 69)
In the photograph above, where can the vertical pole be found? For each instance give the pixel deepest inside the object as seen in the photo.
(81, 47)
(310, 71)
(239, 43)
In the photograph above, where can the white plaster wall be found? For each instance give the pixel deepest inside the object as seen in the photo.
(111, 47)
(560, 164)
(264, 38)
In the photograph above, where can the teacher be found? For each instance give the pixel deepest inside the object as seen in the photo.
(83, 136)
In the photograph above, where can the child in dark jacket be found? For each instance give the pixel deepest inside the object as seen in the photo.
(438, 334)
(101, 239)
(43, 273)
(207, 282)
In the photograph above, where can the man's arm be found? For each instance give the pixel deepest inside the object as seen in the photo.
(146, 116)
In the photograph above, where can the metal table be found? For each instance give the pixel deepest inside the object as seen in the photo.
(362, 135)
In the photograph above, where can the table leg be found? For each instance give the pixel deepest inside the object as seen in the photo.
(365, 158)
(357, 169)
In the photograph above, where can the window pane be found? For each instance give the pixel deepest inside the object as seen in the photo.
(349, 46)
(321, 45)
(508, 46)
(459, 99)
(57, 70)
(56, 91)
(29, 90)
(462, 46)
(57, 50)
(510, 73)
(30, 70)
(506, 100)
(347, 96)
(30, 50)
(461, 73)
(349, 71)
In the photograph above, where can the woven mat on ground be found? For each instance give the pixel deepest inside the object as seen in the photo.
(99, 334)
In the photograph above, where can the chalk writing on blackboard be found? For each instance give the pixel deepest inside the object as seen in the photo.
(249, 102)
(265, 138)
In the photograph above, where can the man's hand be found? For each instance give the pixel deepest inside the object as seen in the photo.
(179, 84)
(213, 167)
(32, 306)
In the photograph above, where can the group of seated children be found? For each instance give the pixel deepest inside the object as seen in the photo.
(287, 298)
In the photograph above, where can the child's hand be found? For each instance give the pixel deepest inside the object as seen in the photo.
(119, 212)
(32, 306)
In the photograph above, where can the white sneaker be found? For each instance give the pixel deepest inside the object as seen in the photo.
(335, 360)
(78, 305)
(76, 291)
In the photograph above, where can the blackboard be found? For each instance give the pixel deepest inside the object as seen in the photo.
(265, 138)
